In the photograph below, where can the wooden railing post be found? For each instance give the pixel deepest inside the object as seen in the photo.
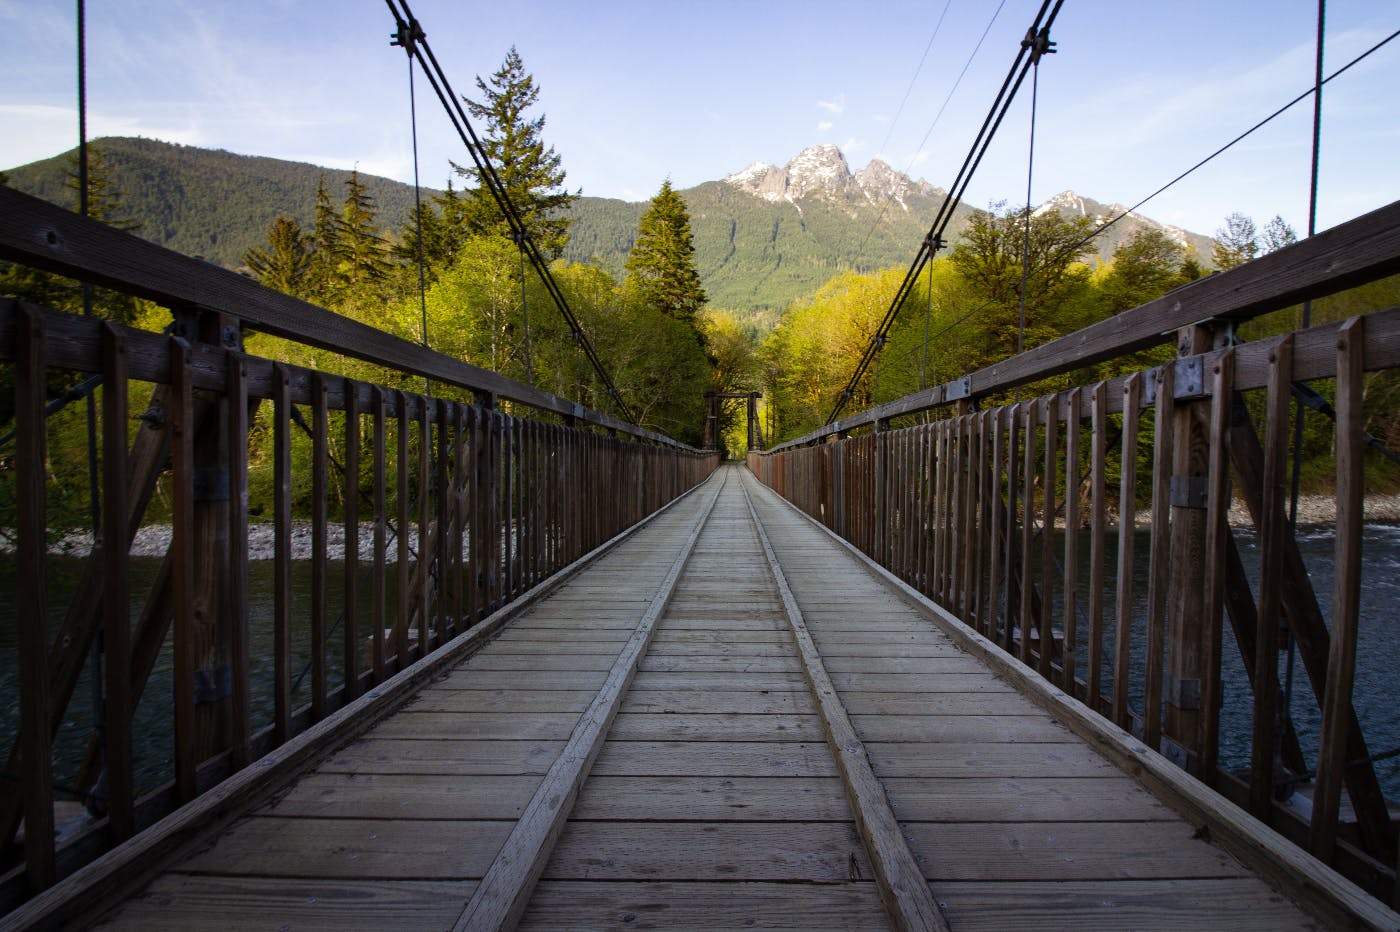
(1186, 618)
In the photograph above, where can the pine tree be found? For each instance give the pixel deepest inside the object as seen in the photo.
(104, 201)
(1235, 243)
(284, 263)
(529, 172)
(661, 265)
(321, 266)
(362, 261)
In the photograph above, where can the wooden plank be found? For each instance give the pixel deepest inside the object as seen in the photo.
(403, 609)
(236, 595)
(182, 430)
(1159, 563)
(320, 464)
(31, 597)
(1113, 798)
(350, 610)
(1346, 590)
(282, 555)
(725, 798)
(378, 598)
(906, 897)
(1098, 522)
(1271, 534)
(985, 760)
(1044, 639)
(505, 891)
(116, 584)
(432, 754)
(1002, 851)
(1186, 905)
(1127, 513)
(1073, 482)
(1217, 540)
(179, 902)
(770, 758)
(263, 848)
(560, 904)
(715, 727)
(706, 852)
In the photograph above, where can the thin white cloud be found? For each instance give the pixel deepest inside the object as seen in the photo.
(824, 125)
(853, 145)
(836, 106)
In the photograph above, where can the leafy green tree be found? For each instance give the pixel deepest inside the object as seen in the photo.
(530, 173)
(989, 258)
(1236, 242)
(283, 264)
(1278, 234)
(661, 265)
(1145, 267)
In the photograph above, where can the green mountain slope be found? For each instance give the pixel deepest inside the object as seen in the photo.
(757, 248)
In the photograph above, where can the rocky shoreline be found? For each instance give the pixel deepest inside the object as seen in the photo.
(153, 540)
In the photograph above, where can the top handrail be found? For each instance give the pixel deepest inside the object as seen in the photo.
(39, 234)
(1352, 253)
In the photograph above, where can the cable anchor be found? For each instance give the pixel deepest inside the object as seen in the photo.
(406, 35)
(1039, 43)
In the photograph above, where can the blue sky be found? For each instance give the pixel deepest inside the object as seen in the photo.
(635, 92)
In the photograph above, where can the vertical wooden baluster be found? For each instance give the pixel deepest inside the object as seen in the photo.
(381, 535)
(995, 528)
(983, 515)
(182, 429)
(924, 557)
(116, 584)
(1346, 589)
(1010, 593)
(320, 429)
(240, 634)
(1217, 539)
(31, 596)
(444, 511)
(1271, 543)
(1098, 555)
(1073, 421)
(938, 463)
(972, 477)
(957, 463)
(351, 610)
(282, 553)
(403, 598)
(423, 596)
(1029, 410)
(508, 494)
(459, 515)
(472, 478)
(1047, 538)
(1127, 516)
(1160, 551)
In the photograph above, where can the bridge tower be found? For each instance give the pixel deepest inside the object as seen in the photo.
(712, 405)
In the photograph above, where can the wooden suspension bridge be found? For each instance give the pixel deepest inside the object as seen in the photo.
(587, 677)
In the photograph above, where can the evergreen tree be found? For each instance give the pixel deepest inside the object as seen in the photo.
(1235, 243)
(321, 265)
(661, 265)
(1278, 234)
(529, 172)
(362, 262)
(104, 201)
(283, 264)
(443, 227)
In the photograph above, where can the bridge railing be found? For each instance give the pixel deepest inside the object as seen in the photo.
(1086, 530)
(445, 507)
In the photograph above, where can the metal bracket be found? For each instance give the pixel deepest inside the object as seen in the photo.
(213, 685)
(233, 337)
(1183, 758)
(1189, 384)
(957, 389)
(1190, 491)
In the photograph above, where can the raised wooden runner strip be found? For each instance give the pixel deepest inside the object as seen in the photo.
(500, 899)
(903, 889)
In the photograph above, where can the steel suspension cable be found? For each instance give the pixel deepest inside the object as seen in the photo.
(934, 240)
(411, 32)
(418, 218)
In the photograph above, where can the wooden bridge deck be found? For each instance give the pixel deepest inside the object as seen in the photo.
(716, 799)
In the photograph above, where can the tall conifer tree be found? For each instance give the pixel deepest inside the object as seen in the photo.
(530, 173)
(661, 264)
